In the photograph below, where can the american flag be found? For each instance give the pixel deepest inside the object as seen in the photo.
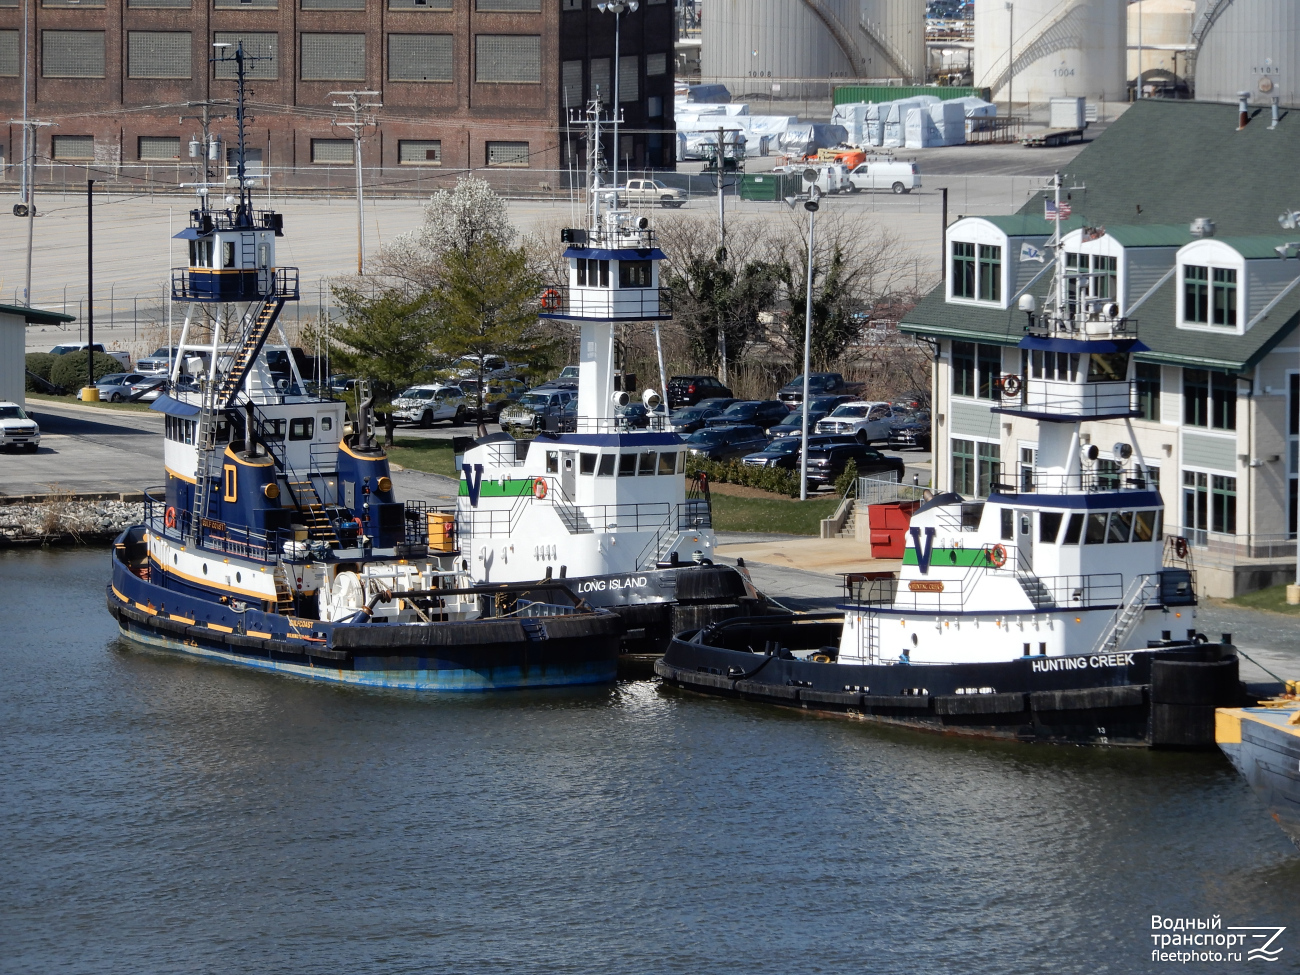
(1052, 212)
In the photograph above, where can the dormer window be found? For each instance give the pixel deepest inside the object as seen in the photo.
(976, 271)
(1209, 296)
(990, 284)
(1223, 306)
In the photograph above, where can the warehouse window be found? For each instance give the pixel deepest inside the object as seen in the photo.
(411, 152)
(159, 147)
(333, 57)
(72, 53)
(419, 4)
(333, 4)
(72, 3)
(572, 5)
(419, 57)
(158, 54)
(507, 153)
(332, 151)
(629, 79)
(263, 46)
(72, 147)
(252, 163)
(570, 84)
(656, 64)
(600, 83)
(508, 58)
(10, 57)
(146, 4)
(514, 6)
(244, 4)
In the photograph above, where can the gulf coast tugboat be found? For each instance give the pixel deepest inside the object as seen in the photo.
(593, 500)
(277, 542)
(1054, 610)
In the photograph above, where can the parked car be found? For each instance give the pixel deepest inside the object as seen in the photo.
(718, 403)
(763, 413)
(636, 416)
(499, 394)
(819, 384)
(691, 418)
(537, 403)
(911, 430)
(426, 405)
(792, 425)
(898, 177)
(647, 191)
(157, 362)
(559, 419)
(341, 384)
(116, 386)
(868, 421)
(67, 347)
(725, 443)
(17, 429)
(692, 390)
(785, 452)
(494, 367)
(827, 462)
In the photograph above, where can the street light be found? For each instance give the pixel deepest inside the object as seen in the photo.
(812, 207)
(617, 8)
(1291, 221)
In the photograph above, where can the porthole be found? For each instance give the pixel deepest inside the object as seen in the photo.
(175, 561)
(205, 568)
(239, 577)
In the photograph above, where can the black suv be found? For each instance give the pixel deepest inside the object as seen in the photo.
(761, 413)
(827, 462)
(819, 384)
(724, 443)
(689, 390)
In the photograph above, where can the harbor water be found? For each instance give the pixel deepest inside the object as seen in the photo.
(169, 815)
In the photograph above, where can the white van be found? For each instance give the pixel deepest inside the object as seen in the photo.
(821, 179)
(901, 177)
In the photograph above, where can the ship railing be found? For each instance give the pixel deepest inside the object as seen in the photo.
(1062, 398)
(615, 238)
(630, 304)
(695, 515)
(278, 282)
(964, 517)
(508, 453)
(206, 221)
(1134, 478)
(650, 423)
(876, 591)
(238, 540)
(1084, 322)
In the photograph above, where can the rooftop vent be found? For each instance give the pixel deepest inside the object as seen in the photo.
(1202, 227)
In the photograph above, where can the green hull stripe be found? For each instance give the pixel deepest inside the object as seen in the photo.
(495, 489)
(964, 557)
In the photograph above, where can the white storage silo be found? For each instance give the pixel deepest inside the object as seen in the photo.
(891, 36)
(1162, 27)
(1051, 48)
(1253, 47)
(779, 39)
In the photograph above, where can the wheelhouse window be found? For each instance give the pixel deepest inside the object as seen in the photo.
(302, 428)
(627, 465)
(1196, 295)
(633, 274)
(593, 273)
(1060, 366)
(963, 270)
(587, 463)
(990, 273)
(1224, 295)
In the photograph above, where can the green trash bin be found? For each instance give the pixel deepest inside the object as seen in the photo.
(769, 187)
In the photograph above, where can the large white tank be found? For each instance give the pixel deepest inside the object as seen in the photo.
(1165, 25)
(791, 40)
(1060, 48)
(1252, 47)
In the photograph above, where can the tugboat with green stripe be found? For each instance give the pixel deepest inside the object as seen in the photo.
(1055, 609)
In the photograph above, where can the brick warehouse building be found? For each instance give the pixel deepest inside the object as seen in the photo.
(465, 84)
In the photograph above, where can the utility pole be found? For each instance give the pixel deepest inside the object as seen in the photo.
(209, 149)
(90, 392)
(359, 122)
(26, 135)
(28, 207)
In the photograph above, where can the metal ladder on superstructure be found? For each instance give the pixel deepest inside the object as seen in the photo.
(251, 339)
(204, 444)
(1127, 614)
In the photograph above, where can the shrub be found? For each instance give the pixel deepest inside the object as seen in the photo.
(39, 363)
(69, 371)
(847, 480)
(773, 479)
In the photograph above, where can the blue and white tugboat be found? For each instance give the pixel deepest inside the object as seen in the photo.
(1054, 610)
(277, 542)
(596, 501)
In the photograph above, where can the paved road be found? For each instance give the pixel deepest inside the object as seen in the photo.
(85, 449)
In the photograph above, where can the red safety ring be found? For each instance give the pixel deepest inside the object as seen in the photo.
(998, 556)
(169, 517)
(1011, 386)
(1180, 546)
(539, 488)
(550, 299)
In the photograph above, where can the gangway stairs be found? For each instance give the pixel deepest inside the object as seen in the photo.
(1127, 615)
(251, 340)
(204, 446)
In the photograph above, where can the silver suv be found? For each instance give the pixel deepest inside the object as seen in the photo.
(427, 404)
(536, 404)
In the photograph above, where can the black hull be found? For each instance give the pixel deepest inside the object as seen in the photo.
(1265, 749)
(1161, 697)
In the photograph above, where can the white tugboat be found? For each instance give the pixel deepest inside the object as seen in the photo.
(1056, 609)
(597, 502)
(277, 542)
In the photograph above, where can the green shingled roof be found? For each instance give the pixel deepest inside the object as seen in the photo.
(1031, 224)
(1163, 164)
(1261, 247)
(1175, 235)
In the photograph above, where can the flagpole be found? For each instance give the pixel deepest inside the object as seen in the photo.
(1056, 253)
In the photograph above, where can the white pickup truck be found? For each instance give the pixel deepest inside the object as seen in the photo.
(868, 421)
(122, 357)
(645, 191)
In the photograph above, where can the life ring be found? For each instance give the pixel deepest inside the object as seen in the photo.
(1180, 546)
(1011, 386)
(539, 489)
(361, 528)
(998, 556)
(169, 517)
(551, 300)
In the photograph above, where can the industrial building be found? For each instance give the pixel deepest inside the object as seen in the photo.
(1252, 47)
(464, 84)
(804, 44)
(1216, 306)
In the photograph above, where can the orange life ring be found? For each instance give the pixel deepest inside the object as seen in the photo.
(361, 528)
(539, 488)
(1011, 386)
(998, 556)
(169, 518)
(1180, 546)
(550, 300)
